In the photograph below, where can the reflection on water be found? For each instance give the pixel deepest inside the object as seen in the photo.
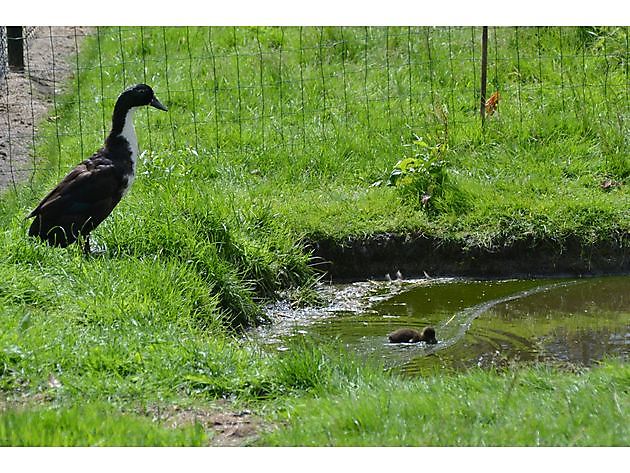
(480, 323)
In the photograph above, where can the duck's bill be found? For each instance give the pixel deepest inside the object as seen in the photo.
(156, 103)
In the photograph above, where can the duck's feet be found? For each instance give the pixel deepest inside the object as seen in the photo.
(93, 250)
(86, 246)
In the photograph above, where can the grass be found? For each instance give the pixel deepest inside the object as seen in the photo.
(275, 136)
(90, 425)
(527, 406)
(293, 125)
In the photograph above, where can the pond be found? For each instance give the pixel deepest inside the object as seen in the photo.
(478, 322)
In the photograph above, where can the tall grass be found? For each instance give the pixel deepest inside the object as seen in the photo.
(276, 134)
(526, 406)
(298, 122)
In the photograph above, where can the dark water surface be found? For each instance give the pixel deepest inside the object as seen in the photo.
(483, 323)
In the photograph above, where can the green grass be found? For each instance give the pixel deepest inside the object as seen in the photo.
(287, 128)
(90, 426)
(527, 406)
(274, 137)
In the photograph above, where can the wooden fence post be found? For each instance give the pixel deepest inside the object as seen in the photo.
(15, 48)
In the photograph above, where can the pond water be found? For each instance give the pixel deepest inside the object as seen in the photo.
(478, 323)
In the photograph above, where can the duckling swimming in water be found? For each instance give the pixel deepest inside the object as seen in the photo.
(409, 335)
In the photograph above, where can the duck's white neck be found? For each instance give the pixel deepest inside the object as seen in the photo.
(129, 133)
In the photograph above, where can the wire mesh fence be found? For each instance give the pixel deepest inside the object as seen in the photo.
(28, 99)
(293, 90)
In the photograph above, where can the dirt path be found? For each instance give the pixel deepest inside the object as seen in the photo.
(26, 97)
(225, 426)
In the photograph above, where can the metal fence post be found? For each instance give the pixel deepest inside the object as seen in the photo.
(484, 72)
(15, 48)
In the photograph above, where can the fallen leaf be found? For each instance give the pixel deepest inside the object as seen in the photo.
(492, 103)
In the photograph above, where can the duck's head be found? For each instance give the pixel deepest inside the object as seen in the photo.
(428, 335)
(138, 96)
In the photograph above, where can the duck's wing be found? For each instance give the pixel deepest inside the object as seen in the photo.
(88, 193)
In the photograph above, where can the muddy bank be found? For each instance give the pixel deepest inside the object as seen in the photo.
(377, 256)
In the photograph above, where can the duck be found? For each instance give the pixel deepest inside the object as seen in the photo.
(90, 191)
(409, 335)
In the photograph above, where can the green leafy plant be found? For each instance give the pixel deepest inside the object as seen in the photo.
(428, 164)
(423, 177)
(424, 180)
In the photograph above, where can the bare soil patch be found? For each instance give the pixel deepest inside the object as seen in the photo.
(227, 427)
(417, 255)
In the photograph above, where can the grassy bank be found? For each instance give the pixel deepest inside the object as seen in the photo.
(267, 144)
(277, 136)
(531, 406)
(321, 396)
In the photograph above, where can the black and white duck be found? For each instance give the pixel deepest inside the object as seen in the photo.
(90, 191)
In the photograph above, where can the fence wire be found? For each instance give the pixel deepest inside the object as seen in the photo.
(240, 90)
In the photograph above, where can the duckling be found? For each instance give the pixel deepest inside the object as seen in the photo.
(90, 191)
(409, 335)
